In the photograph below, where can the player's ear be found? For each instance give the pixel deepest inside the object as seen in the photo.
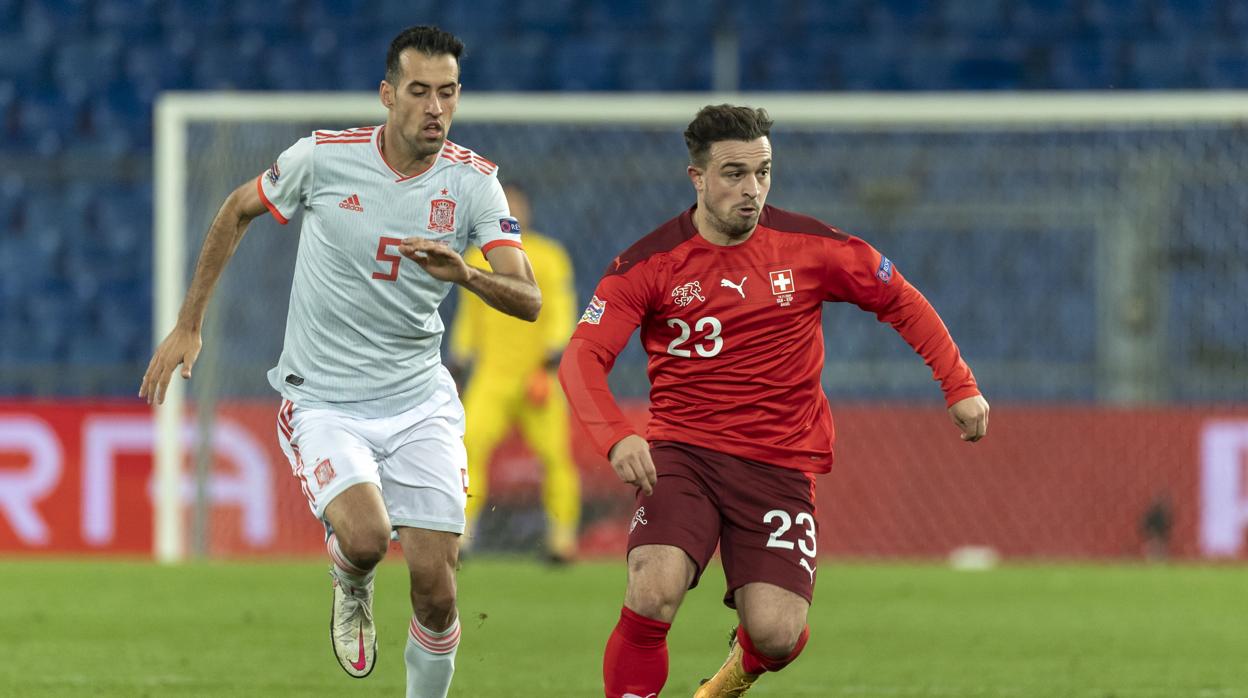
(387, 94)
(697, 177)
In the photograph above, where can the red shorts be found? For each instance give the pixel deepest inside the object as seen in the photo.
(762, 516)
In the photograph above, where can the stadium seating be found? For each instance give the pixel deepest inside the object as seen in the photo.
(78, 79)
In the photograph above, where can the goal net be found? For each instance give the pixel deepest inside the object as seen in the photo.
(1086, 252)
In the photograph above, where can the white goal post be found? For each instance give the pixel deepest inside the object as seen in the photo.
(861, 113)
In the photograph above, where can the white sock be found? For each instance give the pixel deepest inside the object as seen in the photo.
(347, 571)
(430, 658)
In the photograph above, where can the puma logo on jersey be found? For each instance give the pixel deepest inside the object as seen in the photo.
(809, 569)
(352, 203)
(738, 287)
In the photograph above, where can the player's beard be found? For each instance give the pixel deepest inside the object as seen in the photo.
(732, 225)
(424, 148)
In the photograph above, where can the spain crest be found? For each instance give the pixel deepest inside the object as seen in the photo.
(442, 216)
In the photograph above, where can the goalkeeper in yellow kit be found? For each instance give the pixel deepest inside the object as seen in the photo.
(513, 365)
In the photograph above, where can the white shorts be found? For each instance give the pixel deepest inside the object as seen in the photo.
(416, 458)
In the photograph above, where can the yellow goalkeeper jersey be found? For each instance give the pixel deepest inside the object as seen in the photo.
(499, 345)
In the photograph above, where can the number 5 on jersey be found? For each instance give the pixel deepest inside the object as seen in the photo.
(384, 256)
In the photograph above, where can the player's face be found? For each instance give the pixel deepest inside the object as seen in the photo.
(733, 187)
(423, 103)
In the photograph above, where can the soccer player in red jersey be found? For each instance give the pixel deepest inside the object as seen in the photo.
(728, 296)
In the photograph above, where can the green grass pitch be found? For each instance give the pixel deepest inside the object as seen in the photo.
(102, 628)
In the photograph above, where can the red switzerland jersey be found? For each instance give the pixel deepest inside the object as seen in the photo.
(735, 339)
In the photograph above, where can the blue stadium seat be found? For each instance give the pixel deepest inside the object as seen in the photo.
(979, 19)
(395, 15)
(834, 17)
(1088, 65)
(520, 62)
(1236, 16)
(552, 16)
(151, 68)
(133, 20)
(869, 64)
(119, 123)
(361, 63)
(688, 15)
(1047, 19)
(198, 16)
(1160, 65)
(912, 18)
(586, 64)
(791, 66)
(355, 16)
(59, 18)
(778, 21)
(990, 66)
(272, 18)
(123, 226)
(489, 18)
(672, 63)
(1120, 18)
(10, 11)
(1181, 17)
(88, 65)
(46, 121)
(229, 63)
(1222, 65)
(23, 60)
(613, 16)
(927, 64)
(291, 65)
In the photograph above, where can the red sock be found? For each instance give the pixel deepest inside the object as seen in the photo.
(755, 662)
(635, 660)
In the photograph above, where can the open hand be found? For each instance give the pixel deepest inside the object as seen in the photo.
(437, 258)
(180, 347)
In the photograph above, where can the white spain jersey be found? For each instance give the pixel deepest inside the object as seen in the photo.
(363, 331)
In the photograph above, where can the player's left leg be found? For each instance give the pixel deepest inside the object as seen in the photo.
(767, 547)
(433, 634)
(422, 480)
(545, 429)
(772, 633)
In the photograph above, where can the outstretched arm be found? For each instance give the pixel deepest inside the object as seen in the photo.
(183, 343)
(917, 322)
(583, 375)
(509, 288)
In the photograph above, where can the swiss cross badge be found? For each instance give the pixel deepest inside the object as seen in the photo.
(442, 216)
(783, 286)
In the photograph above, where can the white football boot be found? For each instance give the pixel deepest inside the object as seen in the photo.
(351, 628)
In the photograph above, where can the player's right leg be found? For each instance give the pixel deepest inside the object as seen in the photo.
(339, 476)
(671, 538)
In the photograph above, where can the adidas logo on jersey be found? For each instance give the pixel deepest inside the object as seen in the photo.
(352, 203)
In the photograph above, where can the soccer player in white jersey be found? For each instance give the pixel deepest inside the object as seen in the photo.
(370, 419)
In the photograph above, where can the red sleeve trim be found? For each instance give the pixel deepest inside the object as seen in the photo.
(269, 204)
(501, 243)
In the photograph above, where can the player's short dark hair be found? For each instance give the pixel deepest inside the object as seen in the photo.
(429, 40)
(724, 122)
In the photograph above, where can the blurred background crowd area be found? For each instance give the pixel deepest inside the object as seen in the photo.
(78, 79)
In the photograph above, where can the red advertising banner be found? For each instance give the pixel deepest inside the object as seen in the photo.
(1049, 482)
